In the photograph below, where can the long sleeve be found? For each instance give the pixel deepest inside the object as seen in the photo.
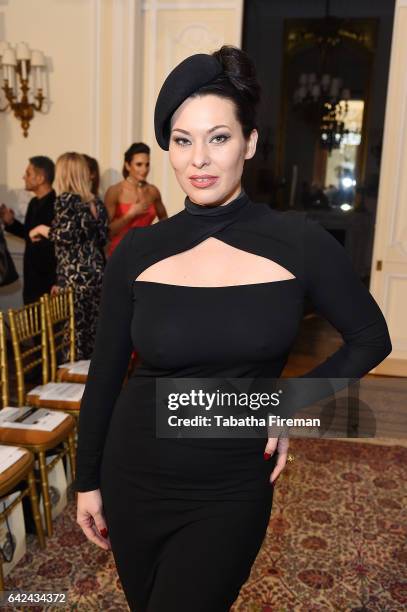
(108, 366)
(340, 296)
(17, 229)
(101, 224)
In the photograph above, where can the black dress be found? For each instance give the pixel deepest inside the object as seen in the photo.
(39, 262)
(187, 517)
(79, 240)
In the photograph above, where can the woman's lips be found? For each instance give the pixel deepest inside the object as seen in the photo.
(202, 182)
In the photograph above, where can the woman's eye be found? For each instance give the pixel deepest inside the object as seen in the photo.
(181, 141)
(220, 138)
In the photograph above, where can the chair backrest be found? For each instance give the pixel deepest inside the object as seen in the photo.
(29, 339)
(3, 365)
(60, 321)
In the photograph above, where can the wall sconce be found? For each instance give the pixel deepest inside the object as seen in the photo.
(24, 68)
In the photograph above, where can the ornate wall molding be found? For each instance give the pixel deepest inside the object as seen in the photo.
(172, 31)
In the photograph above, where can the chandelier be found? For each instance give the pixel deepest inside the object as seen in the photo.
(322, 96)
(324, 99)
(22, 74)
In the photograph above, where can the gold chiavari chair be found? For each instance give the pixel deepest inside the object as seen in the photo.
(60, 321)
(27, 326)
(21, 473)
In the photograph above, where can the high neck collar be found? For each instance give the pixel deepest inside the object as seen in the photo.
(214, 211)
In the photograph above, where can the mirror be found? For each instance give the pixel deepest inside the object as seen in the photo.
(322, 140)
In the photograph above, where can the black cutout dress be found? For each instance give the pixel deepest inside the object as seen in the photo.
(187, 517)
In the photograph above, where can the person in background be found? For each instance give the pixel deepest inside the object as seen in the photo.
(94, 173)
(79, 232)
(133, 202)
(39, 262)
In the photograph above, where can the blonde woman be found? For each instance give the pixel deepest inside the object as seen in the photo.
(79, 232)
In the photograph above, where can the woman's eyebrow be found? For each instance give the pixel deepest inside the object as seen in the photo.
(209, 131)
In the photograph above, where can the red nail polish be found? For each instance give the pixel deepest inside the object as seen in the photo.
(267, 456)
(103, 532)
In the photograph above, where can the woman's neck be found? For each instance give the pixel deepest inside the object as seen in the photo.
(223, 201)
(135, 182)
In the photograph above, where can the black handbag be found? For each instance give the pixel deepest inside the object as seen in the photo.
(8, 272)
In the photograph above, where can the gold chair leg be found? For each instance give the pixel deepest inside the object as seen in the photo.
(1, 576)
(45, 492)
(72, 453)
(35, 509)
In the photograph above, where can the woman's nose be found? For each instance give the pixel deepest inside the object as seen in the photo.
(200, 155)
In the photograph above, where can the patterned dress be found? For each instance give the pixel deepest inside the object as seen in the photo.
(79, 240)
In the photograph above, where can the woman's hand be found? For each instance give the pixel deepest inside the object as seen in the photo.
(281, 444)
(134, 210)
(38, 232)
(90, 518)
(54, 290)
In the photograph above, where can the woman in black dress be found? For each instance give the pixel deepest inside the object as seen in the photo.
(215, 291)
(79, 232)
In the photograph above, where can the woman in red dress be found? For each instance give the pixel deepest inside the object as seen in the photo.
(133, 202)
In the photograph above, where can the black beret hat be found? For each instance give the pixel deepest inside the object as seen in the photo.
(186, 78)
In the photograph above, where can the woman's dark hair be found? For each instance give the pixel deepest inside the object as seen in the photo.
(238, 83)
(136, 147)
(94, 173)
(45, 165)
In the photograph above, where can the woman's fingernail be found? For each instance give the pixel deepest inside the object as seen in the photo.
(103, 532)
(267, 456)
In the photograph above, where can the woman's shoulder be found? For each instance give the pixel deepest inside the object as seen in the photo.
(302, 231)
(67, 200)
(115, 187)
(153, 191)
(113, 192)
(68, 196)
(289, 222)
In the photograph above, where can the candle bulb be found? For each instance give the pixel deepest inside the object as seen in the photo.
(22, 51)
(37, 62)
(6, 74)
(37, 58)
(11, 77)
(9, 62)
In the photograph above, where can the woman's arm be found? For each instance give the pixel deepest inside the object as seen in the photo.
(111, 201)
(108, 365)
(159, 206)
(340, 296)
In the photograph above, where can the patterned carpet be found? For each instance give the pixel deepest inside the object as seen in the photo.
(336, 541)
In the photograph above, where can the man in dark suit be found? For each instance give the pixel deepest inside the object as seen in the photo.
(39, 257)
